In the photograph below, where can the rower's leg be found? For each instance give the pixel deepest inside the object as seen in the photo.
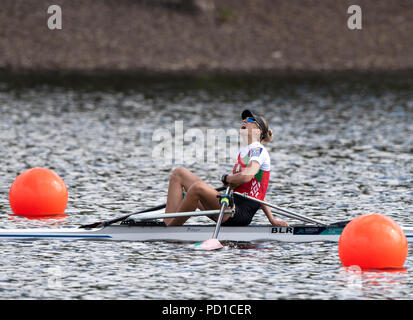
(180, 178)
(199, 192)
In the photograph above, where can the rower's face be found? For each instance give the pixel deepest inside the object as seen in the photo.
(248, 127)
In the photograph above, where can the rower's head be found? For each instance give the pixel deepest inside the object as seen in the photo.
(256, 126)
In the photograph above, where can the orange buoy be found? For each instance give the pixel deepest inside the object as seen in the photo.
(373, 241)
(38, 192)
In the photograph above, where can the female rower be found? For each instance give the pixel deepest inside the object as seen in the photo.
(250, 175)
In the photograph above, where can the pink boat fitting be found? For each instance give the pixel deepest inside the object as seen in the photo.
(211, 244)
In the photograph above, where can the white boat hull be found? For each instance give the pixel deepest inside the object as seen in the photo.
(186, 233)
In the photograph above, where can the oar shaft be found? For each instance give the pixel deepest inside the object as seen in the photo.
(221, 215)
(180, 214)
(112, 221)
(109, 222)
(290, 213)
(162, 206)
(292, 216)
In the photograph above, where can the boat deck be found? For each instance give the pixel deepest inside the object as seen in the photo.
(186, 233)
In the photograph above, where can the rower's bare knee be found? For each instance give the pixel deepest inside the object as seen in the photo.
(179, 173)
(197, 188)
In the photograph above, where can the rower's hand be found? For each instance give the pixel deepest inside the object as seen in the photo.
(279, 223)
(224, 179)
(226, 183)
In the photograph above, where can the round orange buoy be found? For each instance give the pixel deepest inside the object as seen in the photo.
(38, 192)
(373, 241)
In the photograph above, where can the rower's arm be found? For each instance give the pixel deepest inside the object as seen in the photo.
(246, 175)
(271, 218)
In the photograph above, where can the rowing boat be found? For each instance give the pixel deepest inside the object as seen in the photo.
(186, 233)
(144, 227)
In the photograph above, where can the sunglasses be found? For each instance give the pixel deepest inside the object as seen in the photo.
(252, 120)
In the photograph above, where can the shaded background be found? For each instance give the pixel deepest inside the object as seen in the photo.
(205, 36)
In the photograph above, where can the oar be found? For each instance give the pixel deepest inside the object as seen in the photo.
(286, 213)
(213, 243)
(153, 216)
(112, 221)
(109, 222)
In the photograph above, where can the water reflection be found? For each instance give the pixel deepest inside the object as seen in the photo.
(339, 151)
(370, 284)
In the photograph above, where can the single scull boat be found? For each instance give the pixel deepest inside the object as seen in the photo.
(187, 233)
(144, 227)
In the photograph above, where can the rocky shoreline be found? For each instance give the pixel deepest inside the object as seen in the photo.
(205, 37)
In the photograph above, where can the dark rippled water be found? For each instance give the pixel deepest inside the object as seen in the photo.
(340, 150)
